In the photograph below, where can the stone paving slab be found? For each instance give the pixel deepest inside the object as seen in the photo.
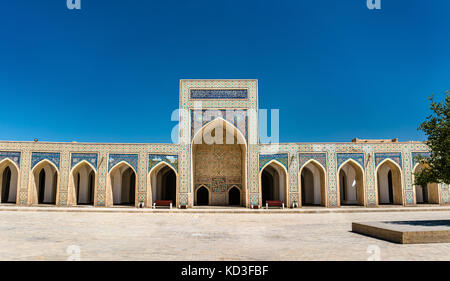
(35, 235)
(407, 232)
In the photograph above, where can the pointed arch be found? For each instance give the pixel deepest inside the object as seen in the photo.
(239, 140)
(348, 193)
(201, 201)
(234, 195)
(321, 182)
(278, 189)
(77, 197)
(428, 194)
(44, 183)
(155, 183)
(121, 185)
(390, 188)
(9, 184)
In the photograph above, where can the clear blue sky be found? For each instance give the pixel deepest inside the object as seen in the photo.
(110, 72)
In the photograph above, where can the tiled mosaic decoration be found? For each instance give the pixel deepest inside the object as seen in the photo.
(131, 159)
(424, 154)
(11, 155)
(218, 94)
(154, 159)
(319, 157)
(396, 157)
(342, 157)
(282, 158)
(37, 157)
(89, 157)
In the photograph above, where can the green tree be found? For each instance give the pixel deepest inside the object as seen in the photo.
(437, 128)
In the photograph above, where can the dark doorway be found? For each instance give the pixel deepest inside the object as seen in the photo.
(6, 184)
(266, 187)
(234, 197)
(391, 188)
(169, 188)
(41, 189)
(202, 196)
(91, 188)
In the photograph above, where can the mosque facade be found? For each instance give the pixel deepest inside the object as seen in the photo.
(218, 161)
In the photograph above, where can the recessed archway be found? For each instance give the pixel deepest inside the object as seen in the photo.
(389, 183)
(274, 183)
(45, 183)
(82, 184)
(163, 183)
(202, 196)
(428, 194)
(351, 183)
(313, 184)
(9, 181)
(219, 157)
(234, 196)
(122, 185)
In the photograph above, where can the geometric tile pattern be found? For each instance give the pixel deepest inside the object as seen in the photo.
(131, 159)
(89, 157)
(37, 157)
(319, 157)
(358, 157)
(154, 159)
(282, 158)
(415, 154)
(11, 155)
(199, 118)
(219, 94)
(396, 157)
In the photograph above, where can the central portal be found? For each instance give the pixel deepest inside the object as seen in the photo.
(219, 165)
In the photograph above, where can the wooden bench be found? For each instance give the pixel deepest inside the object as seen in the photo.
(274, 203)
(162, 203)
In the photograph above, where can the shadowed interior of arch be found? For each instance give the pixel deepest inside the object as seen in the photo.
(202, 195)
(273, 183)
(84, 184)
(234, 196)
(312, 185)
(46, 183)
(428, 194)
(123, 185)
(351, 184)
(8, 182)
(164, 183)
(389, 184)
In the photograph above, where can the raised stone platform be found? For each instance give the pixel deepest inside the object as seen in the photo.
(407, 232)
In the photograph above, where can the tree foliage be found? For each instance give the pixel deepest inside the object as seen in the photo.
(436, 168)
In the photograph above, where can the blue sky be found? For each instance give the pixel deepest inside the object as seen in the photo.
(110, 71)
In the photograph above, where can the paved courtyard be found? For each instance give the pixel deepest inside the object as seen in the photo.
(181, 236)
